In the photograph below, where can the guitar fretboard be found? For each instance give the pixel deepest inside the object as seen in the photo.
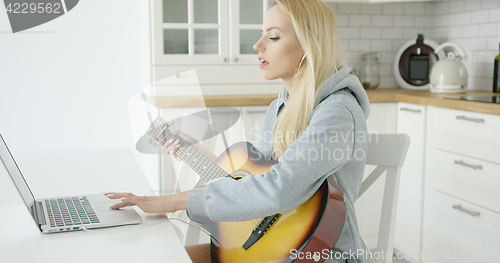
(203, 166)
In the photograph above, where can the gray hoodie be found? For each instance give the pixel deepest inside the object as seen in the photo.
(334, 144)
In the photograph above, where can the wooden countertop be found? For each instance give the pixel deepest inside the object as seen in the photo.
(425, 97)
(212, 100)
(378, 95)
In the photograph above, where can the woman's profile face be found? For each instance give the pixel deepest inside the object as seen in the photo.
(279, 49)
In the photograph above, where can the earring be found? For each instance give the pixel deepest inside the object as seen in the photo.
(300, 64)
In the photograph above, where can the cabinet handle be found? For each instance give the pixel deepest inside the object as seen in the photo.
(235, 59)
(410, 110)
(473, 166)
(461, 117)
(460, 208)
(224, 60)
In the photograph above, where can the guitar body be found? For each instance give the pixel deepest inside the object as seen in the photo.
(306, 234)
(312, 228)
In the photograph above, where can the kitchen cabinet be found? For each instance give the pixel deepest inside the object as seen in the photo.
(213, 37)
(449, 202)
(201, 32)
(411, 119)
(252, 116)
(382, 119)
(462, 182)
(402, 118)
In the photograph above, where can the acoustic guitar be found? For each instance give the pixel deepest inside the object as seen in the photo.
(306, 234)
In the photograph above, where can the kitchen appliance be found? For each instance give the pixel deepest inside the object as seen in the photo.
(449, 74)
(413, 62)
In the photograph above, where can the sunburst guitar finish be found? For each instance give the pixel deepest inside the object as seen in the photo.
(305, 234)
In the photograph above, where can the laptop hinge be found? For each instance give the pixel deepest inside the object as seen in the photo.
(38, 214)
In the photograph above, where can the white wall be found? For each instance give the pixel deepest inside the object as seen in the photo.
(383, 28)
(66, 84)
(473, 24)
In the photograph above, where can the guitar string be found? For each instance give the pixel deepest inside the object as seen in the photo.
(200, 163)
(184, 150)
(187, 149)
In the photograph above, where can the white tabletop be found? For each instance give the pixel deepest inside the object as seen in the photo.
(82, 172)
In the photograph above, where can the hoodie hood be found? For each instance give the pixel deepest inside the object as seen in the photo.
(341, 80)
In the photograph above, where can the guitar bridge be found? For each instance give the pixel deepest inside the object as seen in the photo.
(259, 231)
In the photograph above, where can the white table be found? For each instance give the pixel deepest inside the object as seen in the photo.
(82, 172)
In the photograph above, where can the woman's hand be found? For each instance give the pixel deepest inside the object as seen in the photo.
(151, 204)
(171, 146)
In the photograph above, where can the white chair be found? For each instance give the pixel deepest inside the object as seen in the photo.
(388, 153)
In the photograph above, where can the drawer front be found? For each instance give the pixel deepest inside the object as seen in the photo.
(472, 134)
(453, 234)
(470, 179)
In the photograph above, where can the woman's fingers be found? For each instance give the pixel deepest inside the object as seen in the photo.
(145, 203)
(148, 204)
(185, 137)
(126, 201)
(120, 196)
(121, 205)
(151, 204)
(112, 195)
(171, 147)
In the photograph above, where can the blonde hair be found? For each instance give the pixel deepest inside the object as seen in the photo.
(316, 29)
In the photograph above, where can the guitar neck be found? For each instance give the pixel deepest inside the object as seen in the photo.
(203, 166)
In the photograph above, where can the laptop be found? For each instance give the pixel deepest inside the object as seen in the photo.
(70, 213)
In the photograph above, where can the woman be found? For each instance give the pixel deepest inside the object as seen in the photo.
(316, 129)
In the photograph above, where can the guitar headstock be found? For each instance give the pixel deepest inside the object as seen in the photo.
(157, 127)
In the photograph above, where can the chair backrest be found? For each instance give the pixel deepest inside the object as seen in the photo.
(387, 149)
(388, 153)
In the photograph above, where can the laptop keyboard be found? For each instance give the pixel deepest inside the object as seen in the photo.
(70, 211)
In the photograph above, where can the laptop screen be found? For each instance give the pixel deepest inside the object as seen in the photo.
(15, 174)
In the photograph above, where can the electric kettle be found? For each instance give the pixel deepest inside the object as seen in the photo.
(449, 74)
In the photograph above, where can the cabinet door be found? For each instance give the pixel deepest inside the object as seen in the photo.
(228, 137)
(206, 32)
(190, 32)
(253, 116)
(461, 213)
(459, 231)
(245, 29)
(411, 119)
(382, 119)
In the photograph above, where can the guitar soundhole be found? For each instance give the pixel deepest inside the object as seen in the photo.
(240, 174)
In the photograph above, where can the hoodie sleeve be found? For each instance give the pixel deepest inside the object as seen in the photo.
(321, 150)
